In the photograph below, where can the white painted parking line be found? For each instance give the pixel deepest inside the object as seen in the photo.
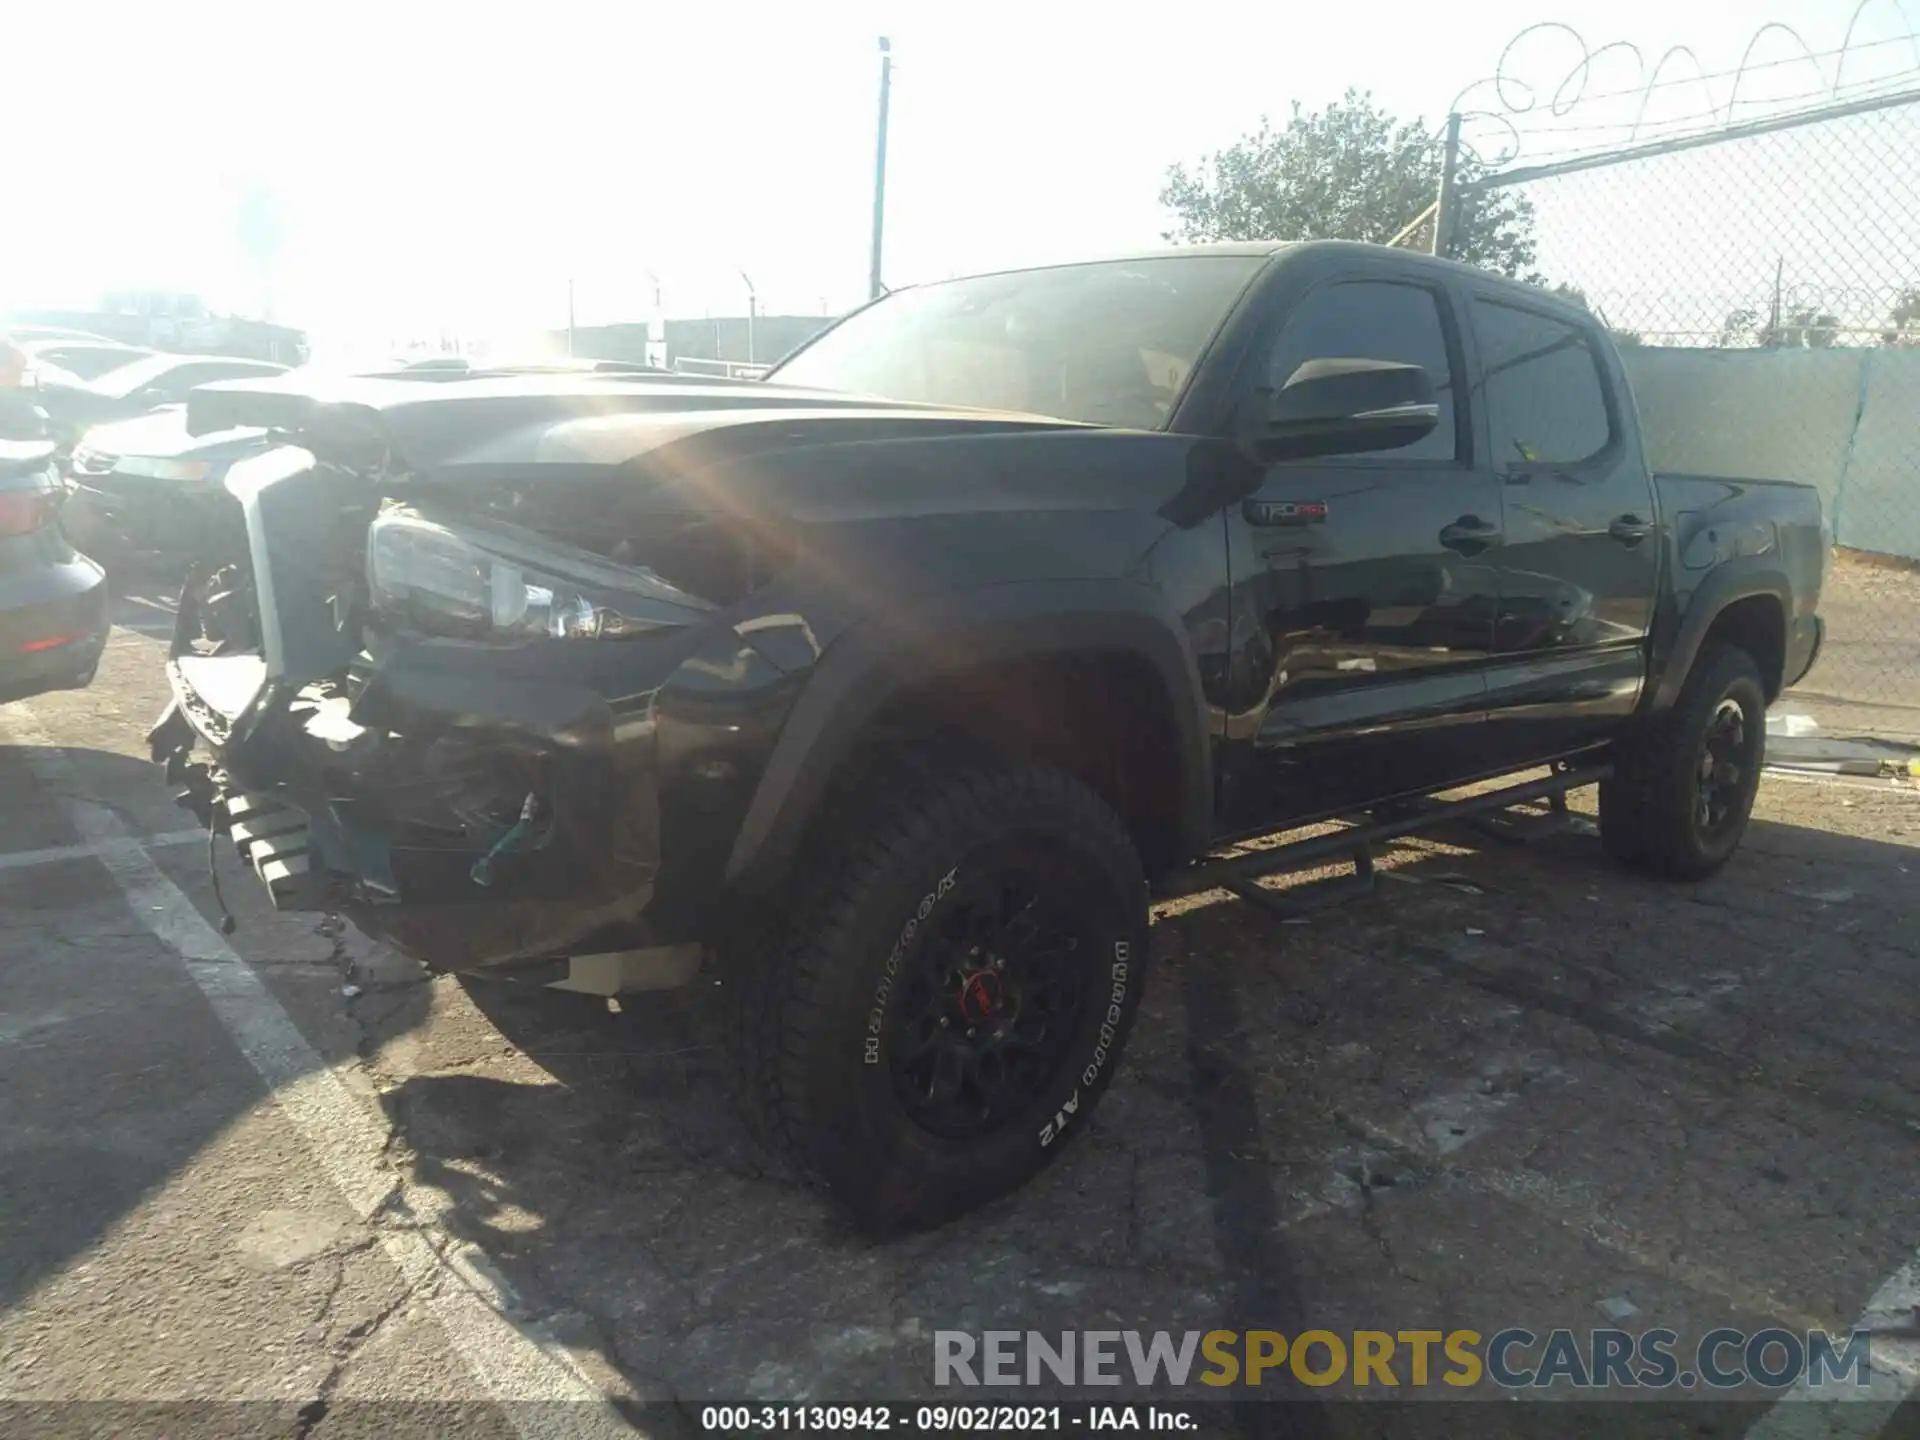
(513, 1361)
(1846, 1411)
(145, 602)
(93, 849)
(1438, 1127)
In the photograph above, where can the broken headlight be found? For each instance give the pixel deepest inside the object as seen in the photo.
(499, 584)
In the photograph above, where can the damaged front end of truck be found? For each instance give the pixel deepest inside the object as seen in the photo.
(443, 670)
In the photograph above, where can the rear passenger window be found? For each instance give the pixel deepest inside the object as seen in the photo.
(1544, 396)
(1373, 320)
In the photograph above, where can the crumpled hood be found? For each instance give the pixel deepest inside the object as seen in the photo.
(441, 429)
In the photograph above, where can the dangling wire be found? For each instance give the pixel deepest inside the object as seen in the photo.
(227, 922)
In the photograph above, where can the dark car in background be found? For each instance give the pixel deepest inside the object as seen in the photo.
(83, 359)
(146, 385)
(142, 487)
(24, 331)
(53, 615)
(167, 320)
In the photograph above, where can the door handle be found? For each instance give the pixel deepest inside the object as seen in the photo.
(1469, 535)
(1630, 530)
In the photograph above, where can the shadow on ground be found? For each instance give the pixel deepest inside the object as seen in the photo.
(595, 1157)
(117, 1073)
(610, 1180)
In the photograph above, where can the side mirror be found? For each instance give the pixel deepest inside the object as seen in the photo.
(1341, 407)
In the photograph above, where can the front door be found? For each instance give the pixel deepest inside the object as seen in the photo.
(1364, 587)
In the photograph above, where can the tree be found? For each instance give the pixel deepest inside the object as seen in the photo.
(1579, 297)
(1739, 328)
(1805, 327)
(1348, 172)
(1903, 321)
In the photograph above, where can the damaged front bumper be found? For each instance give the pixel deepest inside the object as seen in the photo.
(473, 806)
(463, 833)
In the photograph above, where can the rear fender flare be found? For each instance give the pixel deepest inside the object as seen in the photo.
(877, 660)
(1723, 586)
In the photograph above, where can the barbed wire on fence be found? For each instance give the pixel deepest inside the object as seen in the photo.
(1495, 110)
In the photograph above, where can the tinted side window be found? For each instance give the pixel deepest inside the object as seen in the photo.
(1373, 320)
(1544, 395)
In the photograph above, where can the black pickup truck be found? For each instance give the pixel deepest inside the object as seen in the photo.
(898, 710)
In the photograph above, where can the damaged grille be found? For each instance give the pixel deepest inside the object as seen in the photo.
(219, 609)
(93, 462)
(224, 613)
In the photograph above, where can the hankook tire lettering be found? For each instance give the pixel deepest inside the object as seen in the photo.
(1103, 1048)
(1110, 1022)
(877, 1016)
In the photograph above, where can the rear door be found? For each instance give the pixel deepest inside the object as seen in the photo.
(1579, 568)
(1364, 586)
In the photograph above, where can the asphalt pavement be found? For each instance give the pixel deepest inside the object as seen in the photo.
(283, 1182)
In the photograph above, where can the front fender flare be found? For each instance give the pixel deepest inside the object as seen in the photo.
(880, 658)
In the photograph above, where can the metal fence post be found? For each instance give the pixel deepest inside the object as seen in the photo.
(1835, 520)
(1448, 199)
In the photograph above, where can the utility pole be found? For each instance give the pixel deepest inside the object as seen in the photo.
(569, 319)
(656, 325)
(753, 304)
(1447, 200)
(1775, 335)
(874, 285)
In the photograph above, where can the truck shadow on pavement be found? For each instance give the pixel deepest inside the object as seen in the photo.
(626, 1190)
(600, 1165)
(1276, 1105)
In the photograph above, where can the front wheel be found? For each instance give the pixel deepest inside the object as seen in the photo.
(1683, 789)
(951, 999)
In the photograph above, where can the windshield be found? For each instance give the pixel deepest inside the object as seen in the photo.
(1109, 343)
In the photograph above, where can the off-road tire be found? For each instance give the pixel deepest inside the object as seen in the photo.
(816, 997)
(1650, 807)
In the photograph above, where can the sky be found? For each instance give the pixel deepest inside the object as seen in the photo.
(439, 168)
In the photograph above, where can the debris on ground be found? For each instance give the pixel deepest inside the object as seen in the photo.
(1804, 753)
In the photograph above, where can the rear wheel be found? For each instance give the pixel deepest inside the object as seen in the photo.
(950, 998)
(1683, 788)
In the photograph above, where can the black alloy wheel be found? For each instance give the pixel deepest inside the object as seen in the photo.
(1725, 761)
(988, 1002)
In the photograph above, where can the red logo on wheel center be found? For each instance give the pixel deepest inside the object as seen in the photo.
(979, 996)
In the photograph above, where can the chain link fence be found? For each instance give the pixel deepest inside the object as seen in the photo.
(1764, 284)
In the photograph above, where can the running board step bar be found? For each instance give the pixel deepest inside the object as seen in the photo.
(1238, 873)
(1518, 826)
(1296, 902)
